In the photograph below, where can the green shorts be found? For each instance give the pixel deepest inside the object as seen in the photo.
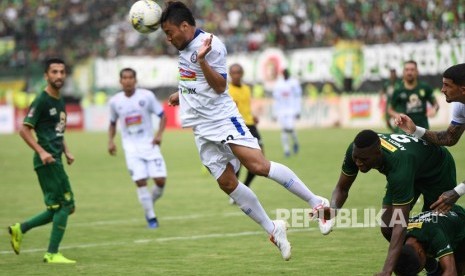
(55, 186)
(433, 185)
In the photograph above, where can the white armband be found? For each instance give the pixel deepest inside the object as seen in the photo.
(460, 189)
(419, 132)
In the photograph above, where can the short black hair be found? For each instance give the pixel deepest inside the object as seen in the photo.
(177, 12)
(52, 60)
(408, 263)
(456, 73)
(366, 138)
(127, 69)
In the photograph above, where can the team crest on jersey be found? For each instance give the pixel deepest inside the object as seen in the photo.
(53, 111)
(422, 93)
(194, 57)
(141, 103)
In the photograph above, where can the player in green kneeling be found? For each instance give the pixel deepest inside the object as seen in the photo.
(47, 117)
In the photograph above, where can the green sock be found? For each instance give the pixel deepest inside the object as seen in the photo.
(58, 229)
(38, 220)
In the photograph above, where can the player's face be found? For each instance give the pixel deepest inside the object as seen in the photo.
(452, 91)
(128, 81)
(410, 72)
(56, 75)
(235, 73)
(176, 35)
(367, 158)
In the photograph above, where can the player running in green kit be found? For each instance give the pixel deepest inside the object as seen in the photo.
(47, 117)
(434, 235)
(411, 166)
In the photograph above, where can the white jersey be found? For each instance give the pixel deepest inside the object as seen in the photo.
(287, 95)
(458, 113)
(198, 102)
(135, 114)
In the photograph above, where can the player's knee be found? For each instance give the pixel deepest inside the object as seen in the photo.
(160, 182)
(228, 186)
(259, 168)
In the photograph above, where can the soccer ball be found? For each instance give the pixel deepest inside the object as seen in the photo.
(145, 15)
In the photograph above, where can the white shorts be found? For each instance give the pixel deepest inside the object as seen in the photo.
(140, 168)
(287, 121)
(212, 143)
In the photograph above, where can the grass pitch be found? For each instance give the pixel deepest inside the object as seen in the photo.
(200, 233)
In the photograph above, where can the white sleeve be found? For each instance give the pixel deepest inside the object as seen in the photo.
(217, 56)
(155, 105)
(113, 113)
(458, 113)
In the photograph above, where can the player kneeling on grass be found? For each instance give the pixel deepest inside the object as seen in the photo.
(222, 138)
(412, 168)
(437, 235)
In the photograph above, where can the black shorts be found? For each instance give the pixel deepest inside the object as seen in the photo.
(254, 131)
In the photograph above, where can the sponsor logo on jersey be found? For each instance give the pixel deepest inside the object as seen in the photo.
(387, 146)
(53, 111)
(189, 91)
(413, 225)
(133, 120)
(31, 112)
(194, 57)
(187, 75)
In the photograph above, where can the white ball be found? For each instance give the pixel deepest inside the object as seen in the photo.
(145, 15)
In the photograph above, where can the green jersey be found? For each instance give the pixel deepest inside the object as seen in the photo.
(47, 116)
(442, 234)
(412, 167)
(413, 102)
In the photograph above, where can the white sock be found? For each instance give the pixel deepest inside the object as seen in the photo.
(289, 180)
(246, 199)
(157, 192)
(145, 200)
(285, 141)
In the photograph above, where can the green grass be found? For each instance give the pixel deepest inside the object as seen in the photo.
(200, 233)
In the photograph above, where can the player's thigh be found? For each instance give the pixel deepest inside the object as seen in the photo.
(55, 185)
(216, 156)
(137, 168)
(156, 168)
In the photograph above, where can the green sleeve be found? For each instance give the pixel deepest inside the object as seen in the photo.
(34, 113)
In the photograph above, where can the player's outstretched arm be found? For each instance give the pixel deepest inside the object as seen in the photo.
(405, 123)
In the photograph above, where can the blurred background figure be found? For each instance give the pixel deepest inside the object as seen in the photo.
(412, 96)
(385, 95)
(287, 95)
(242, 96)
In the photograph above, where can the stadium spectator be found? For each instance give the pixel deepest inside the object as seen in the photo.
(412, 168)
(242, 96)
(222, 139)
(47, 117)
(287, 105)
(134, 107)
(441, 236)
(453, 87)
(412, 96)
(81, 28)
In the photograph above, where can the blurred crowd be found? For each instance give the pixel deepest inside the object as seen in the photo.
(78, 29)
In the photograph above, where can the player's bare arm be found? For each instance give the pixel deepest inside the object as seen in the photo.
(214, 79)
(161, 128)
(69, 156)
(398, 221)
(339, 196)
(26, 133)
(111, 137)
(447, 264)
(173, 99)
(449, 137)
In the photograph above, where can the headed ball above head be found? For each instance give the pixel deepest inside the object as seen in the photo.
(144, 16)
